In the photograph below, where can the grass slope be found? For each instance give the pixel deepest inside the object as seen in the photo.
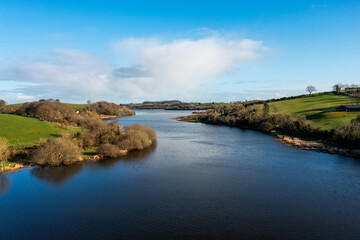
(28, 131)
(317, 108)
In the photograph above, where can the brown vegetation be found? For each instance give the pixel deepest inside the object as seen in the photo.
(135, 137)
(2, 103)
(237, 115)
(349, 134)
(54, 111)
(105, 108)
(108, 138)
(109, 150)
(4, 151)
(57, 151)
(48, 111)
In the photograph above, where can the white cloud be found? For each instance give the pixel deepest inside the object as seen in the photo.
(62, 68)
(187, 62)
(21, 96)
(145, 67)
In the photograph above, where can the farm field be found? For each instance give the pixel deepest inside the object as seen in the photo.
(24, 131)
(317, 108)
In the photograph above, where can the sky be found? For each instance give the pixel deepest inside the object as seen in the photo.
(202, 51)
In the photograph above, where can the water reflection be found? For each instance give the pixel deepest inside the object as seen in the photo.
(56, 175)
(5, 183)
(200, 182)
(133, 156)
(61, 174)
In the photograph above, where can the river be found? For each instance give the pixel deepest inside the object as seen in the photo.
(197, 182)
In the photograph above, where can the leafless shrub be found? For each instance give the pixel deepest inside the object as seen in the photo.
(106, 108)
(56, 152)
(137, 137)
(145, 129)
(4, 151)
(109, 150)
(135, 140)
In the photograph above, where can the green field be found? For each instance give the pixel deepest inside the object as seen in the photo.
(318, 108)
(24, 131)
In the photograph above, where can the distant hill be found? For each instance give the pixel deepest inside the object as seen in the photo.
(169, 105)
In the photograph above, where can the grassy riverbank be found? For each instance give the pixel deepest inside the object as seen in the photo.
(53, 133)
(298, 121)
(24, 131)
(317, 108)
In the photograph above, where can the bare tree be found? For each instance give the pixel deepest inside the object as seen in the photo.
(2, 103)
(57, 151)
(88, 104)
(310, 89)
(337, 87)
(266, 108)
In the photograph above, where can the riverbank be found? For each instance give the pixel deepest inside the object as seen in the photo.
(106, 117)
(103, 140)
(16, 166)
(316, 146)
(296, 142)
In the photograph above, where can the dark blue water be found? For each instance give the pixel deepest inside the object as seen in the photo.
(197, 182)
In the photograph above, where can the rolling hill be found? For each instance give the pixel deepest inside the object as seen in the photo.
(317, 108)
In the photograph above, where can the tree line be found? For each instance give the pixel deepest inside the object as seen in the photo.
(238, 115)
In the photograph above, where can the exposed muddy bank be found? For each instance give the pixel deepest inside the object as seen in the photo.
(316, 146)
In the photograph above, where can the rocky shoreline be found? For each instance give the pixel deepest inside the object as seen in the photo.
(315, 146)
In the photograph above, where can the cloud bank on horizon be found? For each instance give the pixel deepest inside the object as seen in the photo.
(138, 68)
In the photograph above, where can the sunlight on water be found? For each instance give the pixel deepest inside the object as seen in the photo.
(197, 181)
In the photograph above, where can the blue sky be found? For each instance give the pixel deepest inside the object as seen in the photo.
(131, 51)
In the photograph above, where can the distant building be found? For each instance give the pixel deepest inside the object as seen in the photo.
(351, 90)
(348, 108)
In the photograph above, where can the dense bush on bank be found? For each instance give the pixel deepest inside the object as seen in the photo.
(57, 151)
(237, 115)
(54, 111)
(107, 138)
(105, 108)
(48, 111)
(135, 137)
(349, 134)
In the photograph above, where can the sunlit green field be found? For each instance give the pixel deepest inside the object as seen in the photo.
(318, 108)
(24, 131)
